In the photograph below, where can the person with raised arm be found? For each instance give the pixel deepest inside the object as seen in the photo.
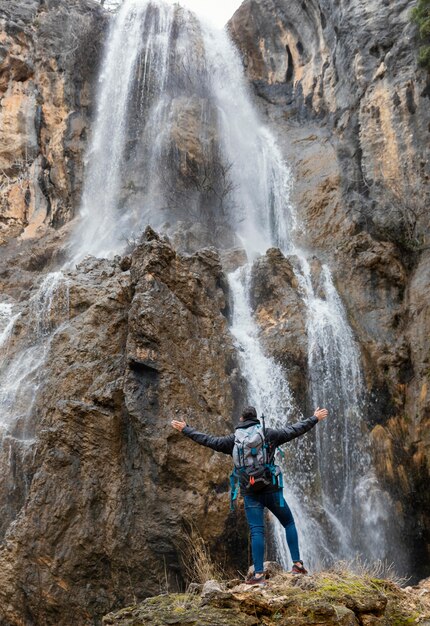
(253, 448)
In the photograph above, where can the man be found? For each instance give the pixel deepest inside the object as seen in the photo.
(270, 495)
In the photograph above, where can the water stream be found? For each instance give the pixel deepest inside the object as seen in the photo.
(7, 321)
(177, 143)
(23, 356)
(21, 372)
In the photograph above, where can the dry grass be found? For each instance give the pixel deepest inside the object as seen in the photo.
(365, 569)
(196, 558)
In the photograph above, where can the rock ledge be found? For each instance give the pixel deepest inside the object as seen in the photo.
(326, 598)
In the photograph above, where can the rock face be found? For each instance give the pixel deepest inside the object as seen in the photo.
(49, 56)
(339, 84)
(328, 599)
(95, 486)
(281, 314)
(352, 68)
(110, 484)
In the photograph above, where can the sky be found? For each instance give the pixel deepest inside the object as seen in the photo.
(218, 11)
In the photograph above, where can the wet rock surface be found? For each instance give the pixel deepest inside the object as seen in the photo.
(326, 598)
(281, 314)
(340, 86)
(108, 485)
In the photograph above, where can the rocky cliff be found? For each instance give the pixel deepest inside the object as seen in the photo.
(109, 486)
(340, 85)
(95, 487)
(49, 57)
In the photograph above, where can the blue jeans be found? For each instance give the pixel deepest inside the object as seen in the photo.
(254, 510)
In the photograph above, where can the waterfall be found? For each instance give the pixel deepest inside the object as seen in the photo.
(21, 378)
(175, 112)
(169, 136)
(262, 181)
(177, 143)
(140, 34)
(7, 321)
(21, 372)
(359, 514)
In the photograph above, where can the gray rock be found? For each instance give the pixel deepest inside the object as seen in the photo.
(211, 588)
(340, 86)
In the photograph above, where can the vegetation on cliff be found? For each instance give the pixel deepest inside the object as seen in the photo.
(421, 15)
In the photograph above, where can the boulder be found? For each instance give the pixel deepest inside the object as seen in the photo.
(104, 489)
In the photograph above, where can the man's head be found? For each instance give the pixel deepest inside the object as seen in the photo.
(248, 413)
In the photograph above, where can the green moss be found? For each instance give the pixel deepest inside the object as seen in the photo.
(178, 609)
(421, 16)
(403, 620)
(337, 588)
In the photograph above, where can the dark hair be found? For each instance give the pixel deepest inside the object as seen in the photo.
(249, 413)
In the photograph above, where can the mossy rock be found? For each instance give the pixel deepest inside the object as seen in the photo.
(178, 610)
(325, 599)
(358, 594)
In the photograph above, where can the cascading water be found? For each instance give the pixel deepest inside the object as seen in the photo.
(21, 376)
(139, 35)
(361, 511)
(262, 182)
(183, 130)
(169, 135)
(7, 320)
(177, 140)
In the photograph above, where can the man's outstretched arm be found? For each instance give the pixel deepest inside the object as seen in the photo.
(282, 435)
(220, 444)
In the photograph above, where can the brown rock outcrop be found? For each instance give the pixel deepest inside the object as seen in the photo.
(281, 314)
(108, 483)
(49, 55)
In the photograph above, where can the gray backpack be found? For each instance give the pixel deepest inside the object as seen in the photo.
(253, 470)
(249, 447)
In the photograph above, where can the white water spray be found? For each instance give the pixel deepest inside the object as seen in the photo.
(21, 379)
(7, 322)
(135, 35)
(172, 103)
(176, 69)
(22, 373)
(171, 136)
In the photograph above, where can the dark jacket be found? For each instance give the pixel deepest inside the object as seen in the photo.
(274, 437)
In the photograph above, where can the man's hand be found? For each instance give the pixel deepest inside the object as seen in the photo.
(320, 414)
(179, 425)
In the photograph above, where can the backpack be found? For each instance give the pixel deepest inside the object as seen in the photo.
(254, 469)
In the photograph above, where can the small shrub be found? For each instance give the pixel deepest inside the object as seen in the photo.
(421, 16)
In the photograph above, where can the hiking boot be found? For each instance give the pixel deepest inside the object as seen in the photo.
(256, 580)
(298, 568)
